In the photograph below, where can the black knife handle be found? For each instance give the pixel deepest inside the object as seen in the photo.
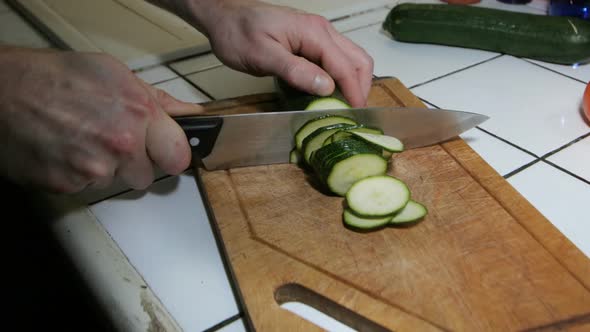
(201, 133)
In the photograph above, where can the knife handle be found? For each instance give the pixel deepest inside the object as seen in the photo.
(201, 133)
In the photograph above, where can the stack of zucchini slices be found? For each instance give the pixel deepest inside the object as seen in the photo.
(351, 160)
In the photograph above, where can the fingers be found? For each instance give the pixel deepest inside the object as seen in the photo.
(323, 50)
(167, 145)
(297, 71)
(166, 142)
(315, 39)
(145, 141)
(360, 59)
(173, 106)
(135, 168)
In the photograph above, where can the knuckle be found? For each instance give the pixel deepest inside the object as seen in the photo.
(290, 69)
(121, 141)
(317, 20)
(96, 169)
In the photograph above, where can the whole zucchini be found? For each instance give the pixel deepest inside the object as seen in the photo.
(556, 39)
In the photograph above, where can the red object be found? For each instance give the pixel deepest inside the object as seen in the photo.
(586, 102)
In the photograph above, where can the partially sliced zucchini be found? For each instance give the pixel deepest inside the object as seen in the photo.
(314, 140)
(316, 123)
(345, 133)
(411, 212)
(327, 103)
(377, 196)
(388, 143)
(354, 220)
(340, 164)
(294, 156)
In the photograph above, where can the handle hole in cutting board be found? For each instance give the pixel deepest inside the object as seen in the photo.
(322, 311)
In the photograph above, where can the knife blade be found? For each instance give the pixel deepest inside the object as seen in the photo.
(238, 140)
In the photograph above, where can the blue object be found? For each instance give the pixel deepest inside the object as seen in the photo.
(574, 8)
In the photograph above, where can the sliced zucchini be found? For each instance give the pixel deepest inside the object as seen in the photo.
(340, 164)
(327, 103)
(411, 212)
(377, 196)
(345, 133)
(387, 154)
(315, 140)
(350, 169)
(354, 220)
(313, 124)
(294, 156)
(323, 159)
(388, 143)
(293, 99)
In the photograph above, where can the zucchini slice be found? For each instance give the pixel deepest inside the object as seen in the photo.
(327, 103)
(377, 196)
(313, 124)
(315, 140)
(294, 156)
(340, 164)
(350, 169)
(345, 133)
(351, 219)
(411, 212)
(388, 143)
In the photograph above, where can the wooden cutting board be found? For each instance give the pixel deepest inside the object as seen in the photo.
(482, 260)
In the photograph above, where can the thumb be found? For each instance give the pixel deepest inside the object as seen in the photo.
(173, 106)
(167, 145)
(165, 141)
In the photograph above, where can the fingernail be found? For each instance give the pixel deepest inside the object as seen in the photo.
(321, 85)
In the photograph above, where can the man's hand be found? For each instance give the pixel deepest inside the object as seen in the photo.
(303, 49)
(71, 120)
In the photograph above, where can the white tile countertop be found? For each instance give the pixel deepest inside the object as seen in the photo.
(152, 256)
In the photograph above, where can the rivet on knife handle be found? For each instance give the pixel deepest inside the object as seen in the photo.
(201, 133)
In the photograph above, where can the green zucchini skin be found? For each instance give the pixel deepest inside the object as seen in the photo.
(292, 99)
(555, 39)
(326, 160)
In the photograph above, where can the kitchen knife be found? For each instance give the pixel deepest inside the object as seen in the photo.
(236, 140)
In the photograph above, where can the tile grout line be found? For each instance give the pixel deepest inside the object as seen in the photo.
(520, 169)
(455, 71)
(166, 80)
(224, 323)
(565, 146)
(199, 70)
(495, 136)
(544, 159)
(356, 14)
(191, 83)
(554, 71)
(509, 143)
(367, 25)
(168, 64)
(567, 172)
(186, 57)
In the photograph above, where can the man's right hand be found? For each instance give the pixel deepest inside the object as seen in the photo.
(71, 120)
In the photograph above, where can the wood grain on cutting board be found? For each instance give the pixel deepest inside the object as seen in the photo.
(482, 260)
